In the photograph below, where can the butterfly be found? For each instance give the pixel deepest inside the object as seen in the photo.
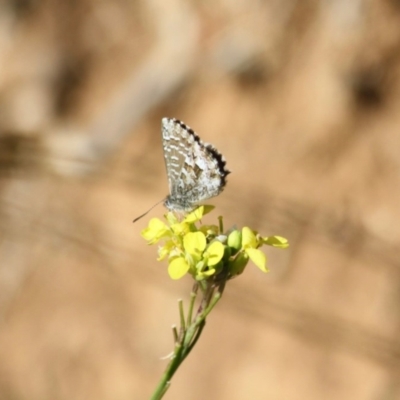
(196, 170)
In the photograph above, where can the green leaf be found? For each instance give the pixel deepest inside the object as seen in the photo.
(194, 243)
(276, 241)
(215, 253)
(258, 258)
(177, 268)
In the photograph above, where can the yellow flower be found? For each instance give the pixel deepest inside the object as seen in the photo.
(250, 243)
(206, 252)
(155, 231)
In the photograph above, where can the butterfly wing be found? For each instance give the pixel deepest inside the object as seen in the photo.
(196, 171)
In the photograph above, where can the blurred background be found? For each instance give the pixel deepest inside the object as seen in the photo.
(302, 98)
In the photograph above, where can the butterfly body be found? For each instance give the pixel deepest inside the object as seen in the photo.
(196, 170)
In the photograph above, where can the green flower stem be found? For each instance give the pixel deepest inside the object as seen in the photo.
(175, 334)
(165, 381)
(193, 295)
(221, 224)
(182, 315)
(188, 337)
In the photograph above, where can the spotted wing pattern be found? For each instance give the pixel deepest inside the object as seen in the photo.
(196, 170)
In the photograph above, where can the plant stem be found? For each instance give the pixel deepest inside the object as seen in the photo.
(188, 338)
(165, 381)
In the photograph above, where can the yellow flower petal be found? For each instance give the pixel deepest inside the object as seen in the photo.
(205, 274)
(248, 238)
(194, 243)
(198, 213)
(207, 209)
(195, 215)
(162, 253)
(276, 241)
(171, 218)
(165, 250)
(215, 253)
(258, 258)
(155, 231)
(177, 268)
(180, 228)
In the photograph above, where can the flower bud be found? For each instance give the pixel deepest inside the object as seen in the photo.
(235, 240)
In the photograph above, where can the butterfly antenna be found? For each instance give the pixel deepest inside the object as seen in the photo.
(140, 216)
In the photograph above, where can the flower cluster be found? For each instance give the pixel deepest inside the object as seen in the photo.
(206, 252)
